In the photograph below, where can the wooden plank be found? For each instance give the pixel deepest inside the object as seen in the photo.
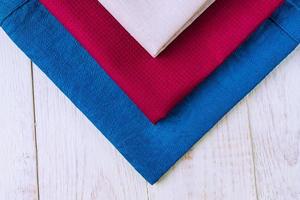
(275, 124)
(219, 167)
(75, 160)
(18, 177)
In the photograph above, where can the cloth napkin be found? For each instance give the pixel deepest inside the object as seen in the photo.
(155, 24)
(157, 85)
(151, 149)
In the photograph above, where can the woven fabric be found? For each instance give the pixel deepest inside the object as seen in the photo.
(155, 24)
(151, 149)
(7, 6)
(157, 85)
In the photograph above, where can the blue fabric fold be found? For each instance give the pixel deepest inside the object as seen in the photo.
(151, 149)
(288, 19)
(9, 6)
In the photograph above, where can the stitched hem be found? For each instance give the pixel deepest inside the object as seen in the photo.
(14, 10)
(294, 4)
(284, 30)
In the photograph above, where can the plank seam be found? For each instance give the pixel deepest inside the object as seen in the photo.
(35, 135)
(147, 190)
(252, 150)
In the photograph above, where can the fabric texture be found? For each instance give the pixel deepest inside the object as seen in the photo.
(155, 24)
(7, 6)
(151, 149)
(157, 85)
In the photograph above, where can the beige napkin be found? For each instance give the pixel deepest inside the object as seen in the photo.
(155, 23)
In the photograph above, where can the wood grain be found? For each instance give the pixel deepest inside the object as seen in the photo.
(75, 160)
(220, 166)
(274, 111)
(252, 153)
(18, 178)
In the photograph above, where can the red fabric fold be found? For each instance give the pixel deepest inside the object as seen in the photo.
(156, 85)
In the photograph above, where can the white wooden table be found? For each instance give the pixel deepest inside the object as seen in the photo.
(50, 151)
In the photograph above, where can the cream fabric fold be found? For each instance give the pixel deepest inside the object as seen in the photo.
(155, 23)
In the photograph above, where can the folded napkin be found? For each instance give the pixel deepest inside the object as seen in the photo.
(157, 85)
(155, 24)
(151, 149)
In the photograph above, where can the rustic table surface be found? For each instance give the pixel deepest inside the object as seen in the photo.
(49, 150)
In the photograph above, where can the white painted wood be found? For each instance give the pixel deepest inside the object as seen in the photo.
(220, 166)
(275, 124)
(75, 160)
(17, 144)
(253, 153)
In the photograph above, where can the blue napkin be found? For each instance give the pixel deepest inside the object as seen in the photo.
(151, 149)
